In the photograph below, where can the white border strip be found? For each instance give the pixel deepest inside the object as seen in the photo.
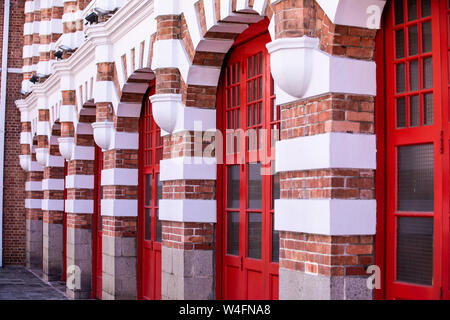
(188, 168)
(324, 151)
(79, 206)
(326, 217)
(119, 208)
(187, 210)
(120, 177)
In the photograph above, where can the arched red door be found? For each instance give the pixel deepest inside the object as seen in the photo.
(249, 243)
(417, 149)
(150, 191)
(97, 227)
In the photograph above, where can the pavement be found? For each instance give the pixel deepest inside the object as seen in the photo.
(19, 283)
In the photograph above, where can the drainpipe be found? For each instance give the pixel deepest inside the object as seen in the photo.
(3, 114)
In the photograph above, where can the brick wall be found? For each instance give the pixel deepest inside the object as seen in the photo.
(14, 177)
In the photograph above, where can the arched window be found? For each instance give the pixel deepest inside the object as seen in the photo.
(250, 124)
(150, 190)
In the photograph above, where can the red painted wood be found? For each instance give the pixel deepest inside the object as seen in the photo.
(150, 154)
(445, 54)
(422, 134)
(380, 175)
(63, 277)
(97, 227)
(240, 276)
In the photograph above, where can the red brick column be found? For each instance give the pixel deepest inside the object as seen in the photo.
(119, 203)
(53, 210)
(327, 212)
(33, 211)
(187, 234)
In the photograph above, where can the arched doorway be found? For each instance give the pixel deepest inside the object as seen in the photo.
(248, 117)
(416, 57)
(150, 192)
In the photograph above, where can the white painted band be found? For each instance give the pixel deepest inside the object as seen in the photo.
(326, 217)
(33, 204)
(80, 182)
(52, 205)
(187, 210)
(79, 206)
(33, 186)
(188, 168)
(119, 208)
(53, 184)
(120, 177)
(325, 151)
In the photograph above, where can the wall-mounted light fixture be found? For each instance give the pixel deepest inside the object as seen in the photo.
(92, 18)
(58, 54)
(34, 79)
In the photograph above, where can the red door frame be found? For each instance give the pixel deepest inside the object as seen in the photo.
(256, 37)
(386, 176)
(445, 81)
(380, 173)
(63, 276)
(96, 228)
(153, 154)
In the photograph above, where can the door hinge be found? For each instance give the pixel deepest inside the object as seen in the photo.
(442, 141)
(242, 263)
(440, 293)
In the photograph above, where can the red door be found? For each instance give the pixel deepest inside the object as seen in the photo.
(97, 227)
(150, 230)
(249, 259)
(445, 41)
(415, 149)
(63, 277)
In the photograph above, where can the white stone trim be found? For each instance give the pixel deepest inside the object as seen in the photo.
(357, 13)
(325, 151)
(26, 138)
(120, 177)
(314, 72)
(80, 182)
(55, 161)
(33, 204)
(79, 206)
(33, 186)
(187, 210)
(171, 53)
(53, 184)
(125, 140)
(326, 216)
(83, 153)
(119, 208)
(52, 205)
(188, 168)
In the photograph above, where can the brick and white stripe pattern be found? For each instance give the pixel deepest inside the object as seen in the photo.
(33, 211)
(72, 21)
(317, 197)
(128, 80)
(50, 30)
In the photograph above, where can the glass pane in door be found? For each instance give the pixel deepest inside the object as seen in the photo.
(254, 186)
(254, 235)
(415, 250)
(233, 233)
(415, 178)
